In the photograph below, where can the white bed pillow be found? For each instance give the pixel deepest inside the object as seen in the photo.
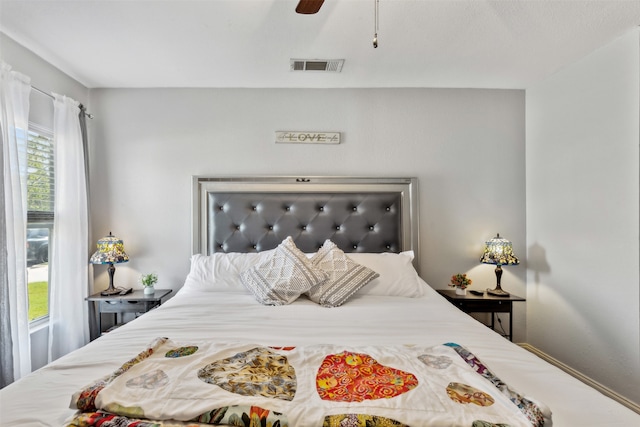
(220, 272)
(283, 276)
(397, 276)
(345, 276)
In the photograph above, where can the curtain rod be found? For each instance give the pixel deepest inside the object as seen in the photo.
(86, 113)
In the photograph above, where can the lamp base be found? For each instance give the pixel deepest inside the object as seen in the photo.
(110, 291)
(498, 292)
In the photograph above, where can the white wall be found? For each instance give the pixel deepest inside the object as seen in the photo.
(583, 215)
(465, 146)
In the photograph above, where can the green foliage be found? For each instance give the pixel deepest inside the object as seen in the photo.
(149, 279)
(38, 300)
(40, 173)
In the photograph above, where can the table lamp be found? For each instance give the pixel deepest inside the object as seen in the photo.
(498, 251)
(110, 251)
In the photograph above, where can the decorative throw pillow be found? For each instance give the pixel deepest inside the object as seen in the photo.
(345, 276)
(283, 277)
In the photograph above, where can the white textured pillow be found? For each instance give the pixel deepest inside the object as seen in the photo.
(220, 272)
(397, 276)
(345, 276)
(283, 277)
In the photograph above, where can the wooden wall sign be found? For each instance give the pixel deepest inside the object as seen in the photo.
(292, 137)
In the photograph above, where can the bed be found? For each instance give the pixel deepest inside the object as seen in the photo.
(357, 338)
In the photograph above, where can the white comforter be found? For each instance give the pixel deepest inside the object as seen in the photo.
(364, 320)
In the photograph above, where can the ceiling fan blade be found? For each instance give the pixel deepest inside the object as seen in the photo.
(309, 7)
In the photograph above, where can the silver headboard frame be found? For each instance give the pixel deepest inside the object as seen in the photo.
(359, 214)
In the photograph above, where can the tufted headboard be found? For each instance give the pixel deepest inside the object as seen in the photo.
(257, 213)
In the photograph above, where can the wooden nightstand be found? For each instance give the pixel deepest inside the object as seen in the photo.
(485, 303)
(135, 302)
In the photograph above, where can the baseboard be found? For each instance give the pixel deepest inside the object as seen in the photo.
(585, 379)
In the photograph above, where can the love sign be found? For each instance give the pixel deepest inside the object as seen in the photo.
(291, 137)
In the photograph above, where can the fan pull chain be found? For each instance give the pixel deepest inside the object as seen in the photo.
(375, 23)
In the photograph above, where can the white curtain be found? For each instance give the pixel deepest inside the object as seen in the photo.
(14, 302)
(68, 310)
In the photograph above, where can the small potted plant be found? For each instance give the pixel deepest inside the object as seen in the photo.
(460, 281)
(148, 281)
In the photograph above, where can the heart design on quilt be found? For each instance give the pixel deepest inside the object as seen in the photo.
(255, 372)
(437, 362)
(181, 351)
(356, 420)
(149, 381)
(354, 377)
(463, 393)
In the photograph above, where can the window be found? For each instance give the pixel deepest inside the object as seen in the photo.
(40, 198)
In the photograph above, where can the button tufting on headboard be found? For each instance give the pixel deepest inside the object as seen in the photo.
(297, 214)
(357, 214)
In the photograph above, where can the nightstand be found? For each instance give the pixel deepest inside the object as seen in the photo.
(485, 303)
(135, 302)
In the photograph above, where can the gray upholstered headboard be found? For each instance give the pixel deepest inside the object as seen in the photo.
(257, 213)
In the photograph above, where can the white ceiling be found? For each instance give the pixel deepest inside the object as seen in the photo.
(248, 43)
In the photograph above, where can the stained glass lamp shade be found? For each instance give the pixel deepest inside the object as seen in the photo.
(110, 251)
(498, 251)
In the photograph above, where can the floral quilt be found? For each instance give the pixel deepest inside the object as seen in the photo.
(194, 384)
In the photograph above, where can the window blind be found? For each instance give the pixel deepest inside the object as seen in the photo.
(40, 177)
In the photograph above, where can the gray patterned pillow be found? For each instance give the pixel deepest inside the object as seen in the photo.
(283, 277)
(345, 276)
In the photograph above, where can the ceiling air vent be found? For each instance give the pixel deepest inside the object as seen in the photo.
(330, 65)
